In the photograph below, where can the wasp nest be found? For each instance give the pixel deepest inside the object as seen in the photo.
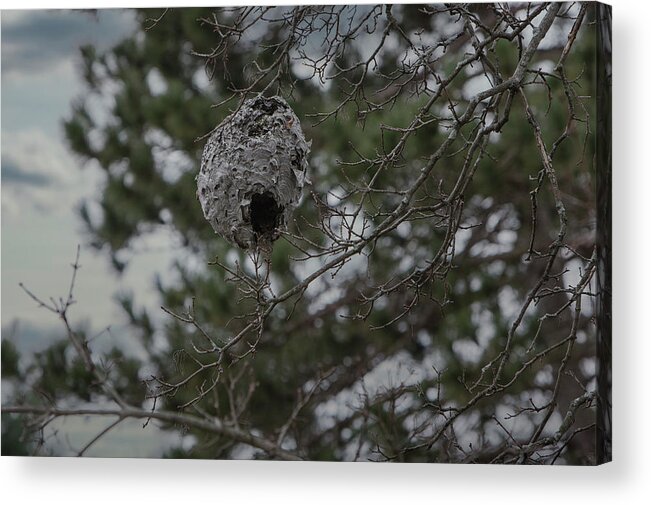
(252, 172)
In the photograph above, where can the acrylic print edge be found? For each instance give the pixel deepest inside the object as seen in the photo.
(604, 232)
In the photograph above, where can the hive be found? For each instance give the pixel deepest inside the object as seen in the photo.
(252, 173)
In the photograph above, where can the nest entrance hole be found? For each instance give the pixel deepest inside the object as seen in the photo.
(265, 214)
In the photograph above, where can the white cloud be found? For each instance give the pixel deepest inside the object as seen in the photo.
(37, 153)
(36, 41)
(11, 18)
(38, 172)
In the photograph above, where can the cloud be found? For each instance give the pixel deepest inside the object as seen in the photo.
(39, 40)
(12, 174)
(32, 155)
(37, 170)
(39, 54)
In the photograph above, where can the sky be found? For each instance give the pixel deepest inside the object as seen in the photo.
(43, 184)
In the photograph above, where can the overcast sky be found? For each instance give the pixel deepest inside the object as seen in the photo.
(43, 183)
(42, 186)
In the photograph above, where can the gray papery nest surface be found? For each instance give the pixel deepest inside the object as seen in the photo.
(252, 173)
